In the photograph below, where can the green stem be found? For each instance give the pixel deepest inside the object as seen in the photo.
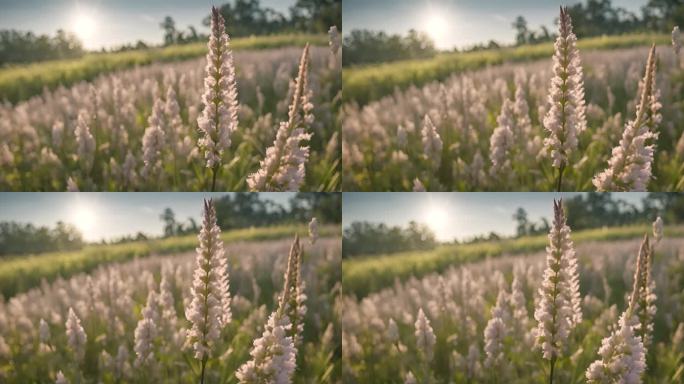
(204, 365)
(552, 364)
(213, 178)
(560, 177)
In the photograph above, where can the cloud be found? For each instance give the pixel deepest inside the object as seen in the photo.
(500, 18)
(148, 18)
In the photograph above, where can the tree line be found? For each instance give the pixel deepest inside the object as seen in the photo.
(365, 46)
(19, 47)
(240, 210)
(591, 18)
(243, 18)
(250, 18)
(18, 238)
(364, 238)
(596, 210)
(245, 210)
(583, 211)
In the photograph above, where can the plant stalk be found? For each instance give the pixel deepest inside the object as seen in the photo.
(215, 172)
(560, 177)
(204, 365)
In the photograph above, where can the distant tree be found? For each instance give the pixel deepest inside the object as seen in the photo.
(522, 33)
(22, 47)
(363, 238)
(248, 17)
(493, 45)
(169, 219)
(663, 15)
(522, 223)
(326, 207)
(17, 238)
(316, 15)
(365, 46)
(169, 27)
(192, 33)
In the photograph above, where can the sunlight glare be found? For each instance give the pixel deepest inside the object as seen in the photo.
(436, 27)
(437, 219)
(83, 25)
(83, 217)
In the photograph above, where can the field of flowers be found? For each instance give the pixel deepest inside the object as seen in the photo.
(569, 123)
(20, 273)
(20, 82)
(597, 312)
(206, 124)
(259, 311)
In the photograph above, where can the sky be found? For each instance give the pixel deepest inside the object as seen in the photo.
(458, 23)
(456, 215)
(104, 216)
(108, 23)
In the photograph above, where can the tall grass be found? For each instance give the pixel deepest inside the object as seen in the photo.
(367, 274)
(18, 83)
(367, 83)
(20, 273)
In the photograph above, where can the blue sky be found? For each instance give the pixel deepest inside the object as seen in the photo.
(457, 23)
(108, 215)
(106, 23)
(456, 215)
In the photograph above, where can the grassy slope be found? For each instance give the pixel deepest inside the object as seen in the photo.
(20, 273)
(370, 82)
(21, 82)
(366, 274)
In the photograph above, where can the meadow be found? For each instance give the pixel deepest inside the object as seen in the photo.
(136, 320)
(484, 320)
(252, 119)
(364, 275)
(366, 83)
(21, 82)
(20, 273)
(475, 121)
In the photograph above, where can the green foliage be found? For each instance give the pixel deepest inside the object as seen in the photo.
(364, 46)
(368, 238)
(23, 47)
(366, 83)
(21, 82)
(19, 273)
(17, 238)
(247, 210)
(364, 275)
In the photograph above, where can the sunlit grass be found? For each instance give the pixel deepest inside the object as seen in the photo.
(19, 273)
(370, 82)
(23, 81)
(366, 274)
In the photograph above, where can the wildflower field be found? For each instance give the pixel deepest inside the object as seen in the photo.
(592, 311)
(20, 273)
(601, 114)
(20, 82)
(254, 311)
(202, 124)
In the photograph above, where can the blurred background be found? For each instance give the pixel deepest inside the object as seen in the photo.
(373, 224)
(389, 30)
(40, 222)
(36, 30)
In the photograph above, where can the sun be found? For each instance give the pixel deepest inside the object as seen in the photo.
(83, 217)
(436, 27)
(83, 25)
(436, 217)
